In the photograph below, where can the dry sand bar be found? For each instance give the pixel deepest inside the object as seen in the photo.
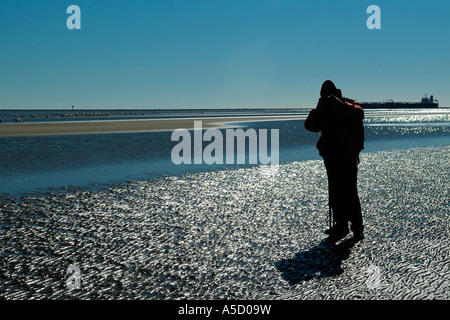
(145, 125)
(97, 127)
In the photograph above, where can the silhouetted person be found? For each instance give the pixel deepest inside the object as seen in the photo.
(340, 143)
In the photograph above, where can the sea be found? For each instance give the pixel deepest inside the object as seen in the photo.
(40, 164)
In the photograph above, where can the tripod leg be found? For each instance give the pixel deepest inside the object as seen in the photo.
(330, 215)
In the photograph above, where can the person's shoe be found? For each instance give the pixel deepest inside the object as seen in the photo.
(358, 233)
(336, 233)
(358, 236)
(336, 229)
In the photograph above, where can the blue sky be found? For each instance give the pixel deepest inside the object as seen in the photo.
(220, 53)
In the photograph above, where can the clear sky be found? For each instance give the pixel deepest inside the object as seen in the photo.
(220, 53)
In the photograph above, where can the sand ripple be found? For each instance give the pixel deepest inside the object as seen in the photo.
(253, 233)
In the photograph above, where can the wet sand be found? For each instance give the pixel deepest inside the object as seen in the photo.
(253, 233)
(117, 126)
(123, 126)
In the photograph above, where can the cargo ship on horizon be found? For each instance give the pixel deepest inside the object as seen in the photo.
(390, 104)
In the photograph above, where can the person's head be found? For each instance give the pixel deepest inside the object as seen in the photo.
(328, 88)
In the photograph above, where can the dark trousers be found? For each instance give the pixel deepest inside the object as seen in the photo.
(343, 192)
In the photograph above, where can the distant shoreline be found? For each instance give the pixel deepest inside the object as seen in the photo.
(23, 129)
(126, 126)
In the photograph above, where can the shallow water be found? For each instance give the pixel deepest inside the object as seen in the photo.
(35, 164)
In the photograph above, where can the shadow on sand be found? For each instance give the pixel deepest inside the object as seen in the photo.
(324, 260)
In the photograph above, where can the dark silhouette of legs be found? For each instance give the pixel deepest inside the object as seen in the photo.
(343, 194)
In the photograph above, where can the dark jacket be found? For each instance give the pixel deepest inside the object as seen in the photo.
(340, 123)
